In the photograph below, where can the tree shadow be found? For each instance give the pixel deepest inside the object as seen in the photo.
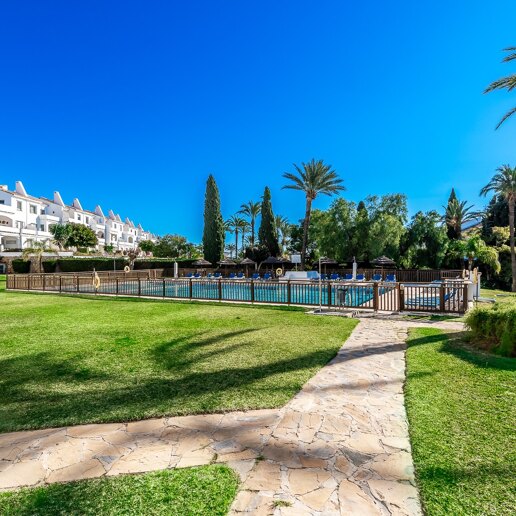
(455, 343)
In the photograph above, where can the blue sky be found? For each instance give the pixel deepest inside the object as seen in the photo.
(132, 104)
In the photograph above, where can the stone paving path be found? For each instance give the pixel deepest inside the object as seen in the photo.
(340, 446)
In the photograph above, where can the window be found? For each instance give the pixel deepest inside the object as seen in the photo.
(19, 224)
(87, 220)
(42, 212)
(78, 216)
(2, 201)
(33, 209)
(42, 227)
(19, 206)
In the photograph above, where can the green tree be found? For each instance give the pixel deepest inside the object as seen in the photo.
(456, 214)
(252, 210)
(505, 83)
(213, 235)
(474, 248)
(283, 229)
(504, 183)
(172, 246)
(426, 242)
(147, 246)
(360, 237)
(81, 236)
(267, 233)
(236, 225)
(61, 233)
(312, 178)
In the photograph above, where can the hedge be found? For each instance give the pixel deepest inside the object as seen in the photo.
(21, 266)
(494, 327)
(88, 264)
(49, 266)
(162, 263)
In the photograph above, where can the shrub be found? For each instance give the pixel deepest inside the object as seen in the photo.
(49, 266)
(88, 264)
(21, 266)
(162, 263)
(494, 328)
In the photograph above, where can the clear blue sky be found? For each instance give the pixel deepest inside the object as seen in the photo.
(132, 104)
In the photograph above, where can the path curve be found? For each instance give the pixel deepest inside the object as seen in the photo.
(340, 446)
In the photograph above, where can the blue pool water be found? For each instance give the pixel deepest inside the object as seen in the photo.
(266, 292)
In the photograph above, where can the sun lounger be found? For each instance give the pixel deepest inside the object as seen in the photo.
(377, 277)
(267, 276)
(391, 278)
(232, 275)
(255, 276)
(218, 275)
(197, 275)
(360, 277)
(189, 275)
(335, 277)
(348, 277)
(240, 275)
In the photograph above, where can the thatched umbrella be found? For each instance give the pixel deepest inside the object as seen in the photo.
(247, 262)
(226, 262)
(202, 263)
(383, 262)
(324, 260)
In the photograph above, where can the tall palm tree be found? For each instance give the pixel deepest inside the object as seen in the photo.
(283, 227)
(235, 225)
(230, 248)
(505, 83)
(244, 228)
(312, 178)
(252, 210)
(504, 183)
(456, 214)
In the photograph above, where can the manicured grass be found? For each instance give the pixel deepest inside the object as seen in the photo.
(501, 296)
(461, 409)
(193, 491)
(67, 360)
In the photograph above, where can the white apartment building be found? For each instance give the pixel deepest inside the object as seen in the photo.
(25, 219)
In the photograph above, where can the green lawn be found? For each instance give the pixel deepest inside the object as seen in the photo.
(182, 492)
(461, 409)
(68, 360)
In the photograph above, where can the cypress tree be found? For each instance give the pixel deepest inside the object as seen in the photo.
(268, 234)
(213, 235)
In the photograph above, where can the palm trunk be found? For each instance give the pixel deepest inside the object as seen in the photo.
(305, 231)
(252, 232)
(236, 243)
(511, 243)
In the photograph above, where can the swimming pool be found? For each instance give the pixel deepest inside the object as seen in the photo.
(294, 292)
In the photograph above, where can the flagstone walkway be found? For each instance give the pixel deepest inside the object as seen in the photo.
(340, 446)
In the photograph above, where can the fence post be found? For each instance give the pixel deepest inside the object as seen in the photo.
(401, 297)
(329, 294)
(14, 281)
(77, 283)
(219, 287)
(164, 287)
(116, 286)
(60, 283)
(376, 298)
(44, 282)
(29, 281)
(252, 291)
(441, 298)
(289, 293)
(139, 287)
(190, 288)
(464, 298)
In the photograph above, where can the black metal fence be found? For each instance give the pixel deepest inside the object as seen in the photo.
(447, 296)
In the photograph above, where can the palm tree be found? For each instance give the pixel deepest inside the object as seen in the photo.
(235, 225)
(36, 249)
(244, 228)
(283, 227)
(505, 83)
(230, 248)
(252, 210)
(313, 178)
(503, 183)
(456, 214)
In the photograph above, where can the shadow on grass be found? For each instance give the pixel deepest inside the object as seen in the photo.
(34, 398)
(455, 344)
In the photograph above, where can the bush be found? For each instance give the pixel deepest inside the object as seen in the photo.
(162, 263)
(21, 266)
(88, 264)
(494, 328)
(49, 266)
